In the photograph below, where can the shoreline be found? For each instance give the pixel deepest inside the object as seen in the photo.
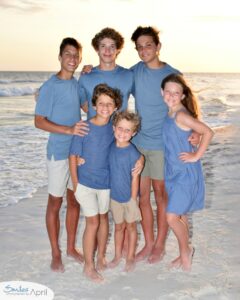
(25, 249)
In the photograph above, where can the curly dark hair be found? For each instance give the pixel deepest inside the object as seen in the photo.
(104, 89)
(150, 31)
(108, 33)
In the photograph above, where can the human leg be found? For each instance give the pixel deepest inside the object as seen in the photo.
(132, 243)
(102, 237)
(89, 238)
(118, 241)
(53, 227)
(103, 203)
(147, 218)
(160, 194)
(72, 217)
(180, 230)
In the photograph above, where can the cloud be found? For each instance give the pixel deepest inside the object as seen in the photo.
(23, 5)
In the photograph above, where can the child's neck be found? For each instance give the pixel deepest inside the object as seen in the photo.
(155, 64)
(99, 121)
(122, 144)
(62, 74)
(175, 109)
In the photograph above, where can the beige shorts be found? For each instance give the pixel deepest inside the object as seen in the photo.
(154, 164)
(92, 201)
(128, 211)
(58, 177)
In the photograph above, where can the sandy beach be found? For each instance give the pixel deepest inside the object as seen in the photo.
(25, 250)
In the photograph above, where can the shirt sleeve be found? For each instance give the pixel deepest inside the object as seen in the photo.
(45, 100)
(135, 155)
(82, 91)
(76, 145)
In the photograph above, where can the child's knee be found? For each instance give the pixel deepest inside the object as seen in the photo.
(131, 226)
(120, 227)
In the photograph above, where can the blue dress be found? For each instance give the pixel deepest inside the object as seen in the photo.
(184, 181)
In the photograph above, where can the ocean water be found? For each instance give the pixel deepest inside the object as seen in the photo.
(23, 147)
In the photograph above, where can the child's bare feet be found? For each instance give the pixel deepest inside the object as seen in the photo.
(57, 265)
(101, 264)
(156, 255)
(176, 263)
(114, 263)
(187, 260)
(144, 253)
(76, 255)
(93, 275)
(130, 265)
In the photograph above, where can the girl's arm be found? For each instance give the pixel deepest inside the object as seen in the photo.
(201, 128)
(73, 162)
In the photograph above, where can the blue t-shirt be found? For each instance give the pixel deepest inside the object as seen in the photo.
(94, 148)
(149, 104)
(59, 102)
(119, 78)
(121, 161)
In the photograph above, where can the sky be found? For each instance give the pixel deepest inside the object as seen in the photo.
(196, 35)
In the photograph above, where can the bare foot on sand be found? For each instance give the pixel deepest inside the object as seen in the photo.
(176, 263)
(114, 263)
(76, 255)
(101, 264)
(57, 265)
(187, 260)
(156, 255)
(93, 275)
(144, 253)
(130, 265)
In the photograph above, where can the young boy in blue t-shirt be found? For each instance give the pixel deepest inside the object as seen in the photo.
(124, 186)
(91, 180)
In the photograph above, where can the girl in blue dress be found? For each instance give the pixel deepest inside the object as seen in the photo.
(183, 172)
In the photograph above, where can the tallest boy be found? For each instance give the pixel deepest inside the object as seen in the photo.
(58, 112)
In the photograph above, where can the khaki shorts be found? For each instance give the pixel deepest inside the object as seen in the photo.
(58, 177)
(154, 164)
(127, 211)
(92, 201)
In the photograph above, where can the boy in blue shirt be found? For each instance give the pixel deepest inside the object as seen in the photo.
(124, 186)
(91, 180)
(58, 112)
(108, 44)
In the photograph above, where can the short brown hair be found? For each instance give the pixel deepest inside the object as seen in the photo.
(104, 89)
(108, 33)
(129, 116)
(69, 41)
(150, 31)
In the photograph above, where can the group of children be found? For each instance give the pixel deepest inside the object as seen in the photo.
(101, 166)
(104, 164)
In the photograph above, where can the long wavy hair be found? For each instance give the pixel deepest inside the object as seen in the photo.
(189, 101)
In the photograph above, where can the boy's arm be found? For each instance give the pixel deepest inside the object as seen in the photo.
(84, 106)
(73, 170)
(80, 128)
(139, 165)
(135, 186)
